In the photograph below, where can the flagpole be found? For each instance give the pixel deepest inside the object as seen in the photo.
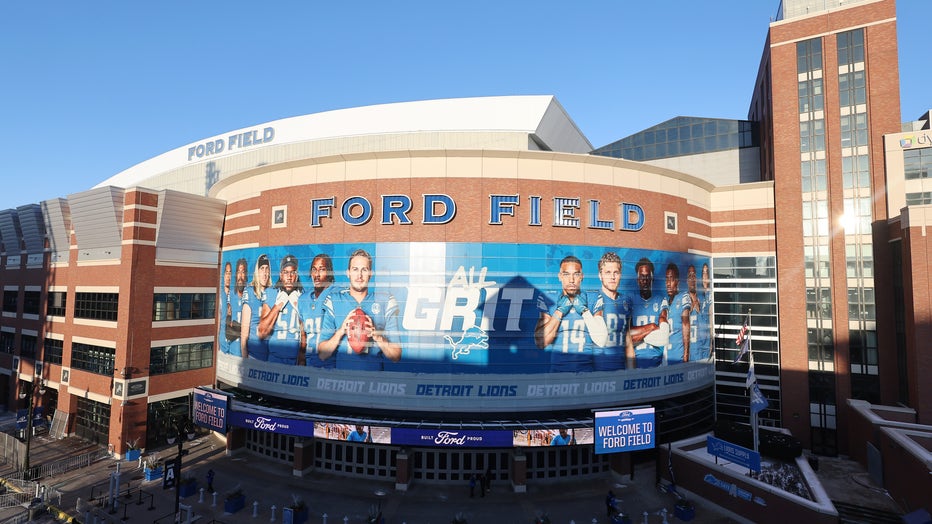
(754, 431)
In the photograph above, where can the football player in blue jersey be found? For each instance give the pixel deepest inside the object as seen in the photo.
(701, 320)
(650, 332)
(254, 307)
(567, 322)
(680, 305)
(311, 310)
(381, 328)
(234, 328)
(618, 352)
(226, 316)
(281, 325)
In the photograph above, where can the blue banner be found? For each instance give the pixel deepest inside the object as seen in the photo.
(282, 425)
(38, 417)
(733, 453)
(624, 430)
(210, 410)
(464, 308)
(452, 438)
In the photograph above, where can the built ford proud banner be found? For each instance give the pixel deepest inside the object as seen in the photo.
(481, 326)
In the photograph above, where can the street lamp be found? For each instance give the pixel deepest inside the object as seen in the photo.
(183, 430)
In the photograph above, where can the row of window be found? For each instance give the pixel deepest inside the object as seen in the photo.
(183, 306)
(30, 302)
(100, 360)
(104, 306)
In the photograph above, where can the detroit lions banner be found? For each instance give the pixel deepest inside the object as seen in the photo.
(453, 310)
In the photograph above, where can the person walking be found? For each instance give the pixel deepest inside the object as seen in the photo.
(611, 504)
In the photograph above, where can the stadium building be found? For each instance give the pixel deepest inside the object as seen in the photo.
(473, 235)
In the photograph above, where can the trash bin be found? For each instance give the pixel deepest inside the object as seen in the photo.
(36, 508)
(684, 510)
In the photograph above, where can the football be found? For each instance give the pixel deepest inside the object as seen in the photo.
(356, 331)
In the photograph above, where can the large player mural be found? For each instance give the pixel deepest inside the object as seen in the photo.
(452, 309)
(465, 308)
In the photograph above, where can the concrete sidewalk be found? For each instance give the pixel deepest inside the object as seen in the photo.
(341, 500)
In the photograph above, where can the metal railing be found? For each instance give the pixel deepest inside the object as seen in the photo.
(59, 467)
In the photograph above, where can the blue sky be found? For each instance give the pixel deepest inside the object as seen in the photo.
(88, 89)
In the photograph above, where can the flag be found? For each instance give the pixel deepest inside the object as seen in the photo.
(758, 400)
(752, 378)
(744, 339)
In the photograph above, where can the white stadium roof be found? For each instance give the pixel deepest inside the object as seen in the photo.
(540, 117)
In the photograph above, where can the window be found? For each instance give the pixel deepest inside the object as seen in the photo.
(92, 421)
(27, 346)
(31, 303)
(863, 350)
(181, 357)
(855, 171)
(809, 55)
(916, 163)
(919, 199)
(183, 306)
(812, 136)
(96, 306)
(56, 304)
(821, 346)
(7, 342)
(811, 98)
(53, 351)
(95, 359)
(9, 301)
(859, 260)
(854, 130)
(813, 174)
(850, 47)
(861, 303)
(852, 89)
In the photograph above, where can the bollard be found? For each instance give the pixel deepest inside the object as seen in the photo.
(273, 514)
(645, 517)
(345, 520)
(214, 505)
(594, 521)
(325, 518)
(255, 509)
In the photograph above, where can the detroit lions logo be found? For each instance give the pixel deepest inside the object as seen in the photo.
(473, 337)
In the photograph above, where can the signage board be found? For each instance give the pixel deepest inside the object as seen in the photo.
(283, 425)
(210, 410)
(629, 429)
(452, 438)
(733, 453)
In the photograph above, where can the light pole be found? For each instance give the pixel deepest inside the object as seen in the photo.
(30, 411)
(183, 431)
